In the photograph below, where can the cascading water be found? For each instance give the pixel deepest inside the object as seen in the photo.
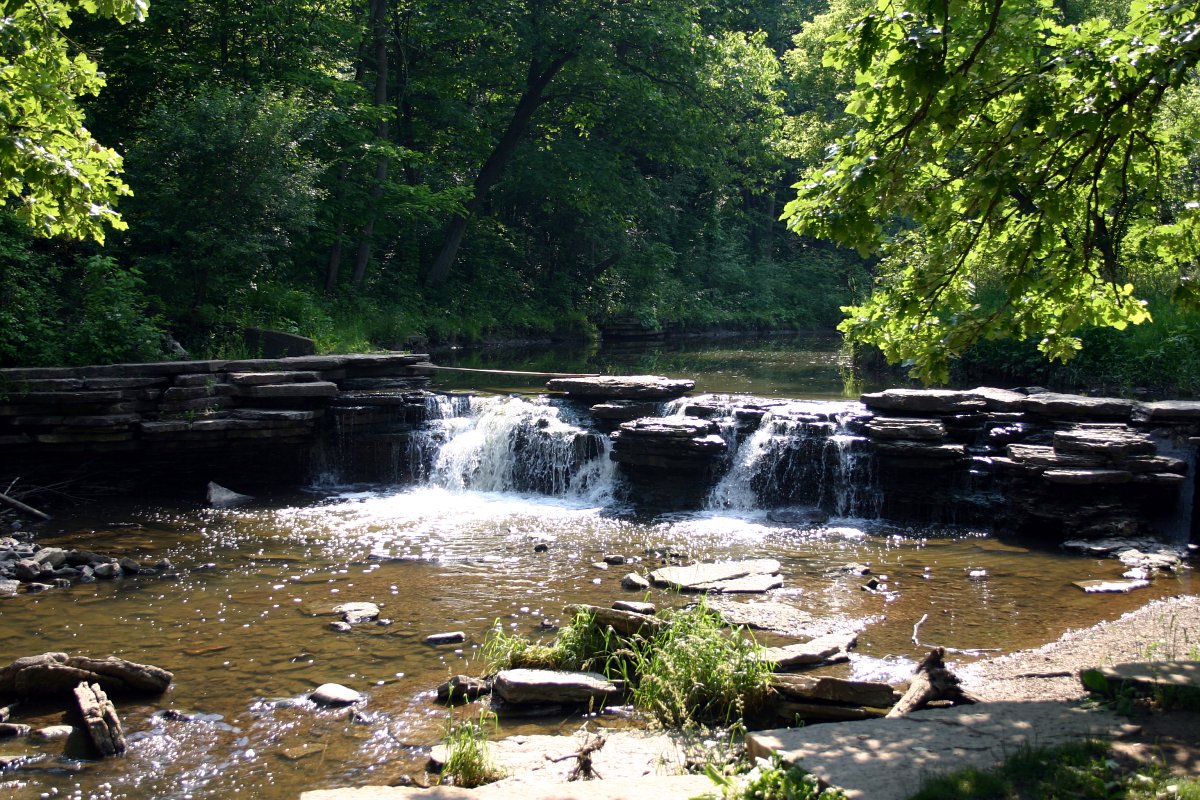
(498, 444)
(801, 453)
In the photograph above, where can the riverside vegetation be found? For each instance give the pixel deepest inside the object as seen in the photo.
(362, 172)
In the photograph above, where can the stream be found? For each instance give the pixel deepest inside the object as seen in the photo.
(241, 620)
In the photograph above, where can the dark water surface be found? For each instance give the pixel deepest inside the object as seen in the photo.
(241, 627)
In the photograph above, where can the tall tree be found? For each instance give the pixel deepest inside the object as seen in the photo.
(64, 181)
(995, 146)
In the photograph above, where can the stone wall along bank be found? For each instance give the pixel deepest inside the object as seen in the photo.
(248, 422)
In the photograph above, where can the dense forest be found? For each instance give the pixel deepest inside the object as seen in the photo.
(360, 171)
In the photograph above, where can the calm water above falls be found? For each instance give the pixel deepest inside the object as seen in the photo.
(241, 630)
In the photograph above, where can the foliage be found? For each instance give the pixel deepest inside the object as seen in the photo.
(65, 183)
(695, 672)
(468, 763)
(992, 142)
(771, 779)
(692, 672)
(223, 189)
(1079, 771)
(60, 307)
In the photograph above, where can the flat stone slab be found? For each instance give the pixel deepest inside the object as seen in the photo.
(1154, 676)
(525, 759)
(835, 690)
(51, 674)
(623, 387)
(1115, 442)
(523, 686)
(357, 613)
(1052, 404)
(705, 576)
(675, 787)
(889, 759)
(817, 651)
(785, 619)
(930, 401)
(1167, 411)
(905, 428)
(1088, 477)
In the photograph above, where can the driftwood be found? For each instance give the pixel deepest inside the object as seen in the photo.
(931, 681)
(24, 509)
(583, 768)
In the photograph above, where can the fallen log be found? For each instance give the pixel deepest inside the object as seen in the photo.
(24, 509)
(932, 681)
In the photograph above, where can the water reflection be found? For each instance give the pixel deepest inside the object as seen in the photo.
(242, 626)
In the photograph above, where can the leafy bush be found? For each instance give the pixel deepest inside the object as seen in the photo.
(771, 779)
(696, 672)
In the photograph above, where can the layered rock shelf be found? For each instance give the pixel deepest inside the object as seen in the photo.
(232, 421)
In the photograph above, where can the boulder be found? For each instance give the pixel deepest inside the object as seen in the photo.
(51, 733)
(334, 694)
(11, 730)
(100, 719)
(633, 582)
(53, 674)
(525, 686)
(628, 387)
(716, 576)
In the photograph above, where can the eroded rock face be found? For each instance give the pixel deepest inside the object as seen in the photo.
(100, 719)
(51, 674)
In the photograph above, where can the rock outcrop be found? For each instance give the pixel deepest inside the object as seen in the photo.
(57, 674)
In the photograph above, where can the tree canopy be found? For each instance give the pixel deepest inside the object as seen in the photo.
(63, 181)
(1014, 172)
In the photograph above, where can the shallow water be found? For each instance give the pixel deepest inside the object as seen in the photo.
(241, 625)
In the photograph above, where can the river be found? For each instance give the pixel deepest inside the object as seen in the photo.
(240, 623)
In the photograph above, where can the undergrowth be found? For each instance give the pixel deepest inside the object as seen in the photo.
(693, 672)
(468, 763)
(1084, 771)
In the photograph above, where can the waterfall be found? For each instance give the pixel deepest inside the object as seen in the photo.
(801, 453)
(498, 444)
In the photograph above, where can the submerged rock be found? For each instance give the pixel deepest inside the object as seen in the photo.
(1112, 586)
(357, 613)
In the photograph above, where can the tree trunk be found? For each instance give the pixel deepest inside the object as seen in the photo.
(535, 88)
(334, 268)
(380, 31)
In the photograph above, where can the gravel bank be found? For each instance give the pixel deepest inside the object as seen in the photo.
(1166, 629)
